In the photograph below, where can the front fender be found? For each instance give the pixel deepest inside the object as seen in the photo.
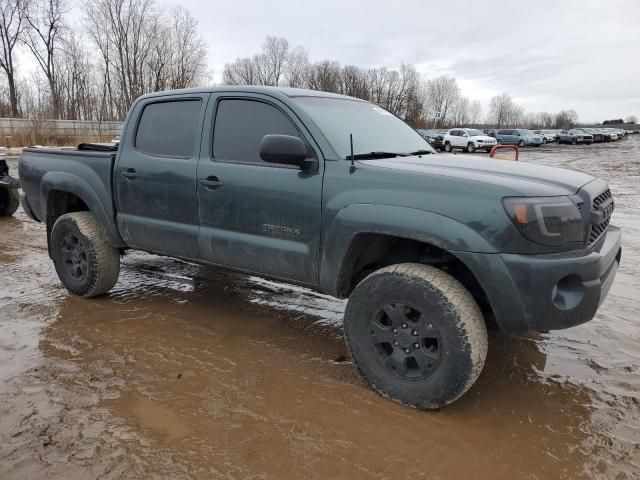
(95, 196)
(401, 222)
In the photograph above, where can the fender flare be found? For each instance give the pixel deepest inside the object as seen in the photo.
(95, 200)
(402, 222)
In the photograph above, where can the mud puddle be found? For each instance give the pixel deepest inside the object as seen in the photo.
(184, 372)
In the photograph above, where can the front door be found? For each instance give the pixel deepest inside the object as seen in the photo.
(257, 216)
(155, 177)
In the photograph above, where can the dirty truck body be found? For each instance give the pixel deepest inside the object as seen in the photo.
(428, 248)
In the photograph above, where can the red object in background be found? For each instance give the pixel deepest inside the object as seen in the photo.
(509, 147)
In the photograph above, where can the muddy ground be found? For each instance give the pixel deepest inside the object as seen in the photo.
(185, 372)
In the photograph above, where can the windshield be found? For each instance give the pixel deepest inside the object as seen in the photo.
(474, 133)
(373, 128)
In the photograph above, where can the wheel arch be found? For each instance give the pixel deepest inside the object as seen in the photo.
(62, 193)
(379, 235)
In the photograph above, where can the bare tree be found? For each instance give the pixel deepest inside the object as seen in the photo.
(475, 112)
(12, 16)
(188, 49)
(442, 93)
(503, 111)
(44, 18)
(631, 119)
(461, 115)
(297, 69)
(125, 32)
(566, 119)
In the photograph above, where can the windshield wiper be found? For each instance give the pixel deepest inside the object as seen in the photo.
(374, 155)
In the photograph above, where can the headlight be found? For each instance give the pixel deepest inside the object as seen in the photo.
(551, 221)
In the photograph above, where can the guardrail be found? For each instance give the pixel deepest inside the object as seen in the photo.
(61, 128)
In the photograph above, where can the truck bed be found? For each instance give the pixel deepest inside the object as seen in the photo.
(86, 173)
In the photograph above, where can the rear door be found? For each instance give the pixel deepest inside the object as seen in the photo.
(155, 177)
(256, 216)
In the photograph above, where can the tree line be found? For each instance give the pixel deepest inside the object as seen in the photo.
(130, 47)
(126, 48)
(434, 103)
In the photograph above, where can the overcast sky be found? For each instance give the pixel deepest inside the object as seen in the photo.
(549, 55)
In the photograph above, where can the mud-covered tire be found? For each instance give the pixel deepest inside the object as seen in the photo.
(86, 263)
(9, 201)
(433, 301)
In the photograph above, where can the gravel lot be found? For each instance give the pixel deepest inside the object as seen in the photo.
(185, 372)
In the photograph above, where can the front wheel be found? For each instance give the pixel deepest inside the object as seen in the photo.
(85, 262)
(471, 148)
(416, 335)
(447, 147)
(521, 143)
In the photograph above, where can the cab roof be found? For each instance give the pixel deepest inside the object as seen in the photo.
(273, 91)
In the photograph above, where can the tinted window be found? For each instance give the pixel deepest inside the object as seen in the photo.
(504, 132)
(168, 129)
(240, 126)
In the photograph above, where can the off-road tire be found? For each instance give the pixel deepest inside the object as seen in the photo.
(450, 310)
(447, 147)
(101, 259)
(9, 201)
(471, 148)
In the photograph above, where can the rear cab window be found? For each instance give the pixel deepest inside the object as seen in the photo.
(169, 128)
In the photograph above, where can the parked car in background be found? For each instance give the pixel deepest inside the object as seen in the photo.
(468, 139)
(612, 133)
(606, 134)
(548, 136)
(435, 139)
(575, 136)
(518, 136)
(490, 132)
(598, 136)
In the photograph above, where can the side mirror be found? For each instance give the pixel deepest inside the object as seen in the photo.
(465, 134)
(285, 150)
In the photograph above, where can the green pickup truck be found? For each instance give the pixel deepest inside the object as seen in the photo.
(341, 196)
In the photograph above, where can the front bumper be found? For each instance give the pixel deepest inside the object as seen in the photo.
(548, 292)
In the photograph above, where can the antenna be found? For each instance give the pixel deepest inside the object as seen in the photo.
(353, 165)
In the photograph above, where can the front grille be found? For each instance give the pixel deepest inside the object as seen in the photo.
(597, 230)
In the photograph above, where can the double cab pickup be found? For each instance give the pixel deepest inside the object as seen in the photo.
(339, 195)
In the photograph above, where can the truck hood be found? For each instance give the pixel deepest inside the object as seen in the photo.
(523, 178)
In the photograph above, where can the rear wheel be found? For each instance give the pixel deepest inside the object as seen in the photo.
(416, 335)
(447, 147)
(85, 262)
(9, 201)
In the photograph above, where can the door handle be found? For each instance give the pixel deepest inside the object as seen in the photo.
(211, 183)
(130, 173)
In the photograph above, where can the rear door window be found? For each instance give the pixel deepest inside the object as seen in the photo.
(168, 129)
(240, 126)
